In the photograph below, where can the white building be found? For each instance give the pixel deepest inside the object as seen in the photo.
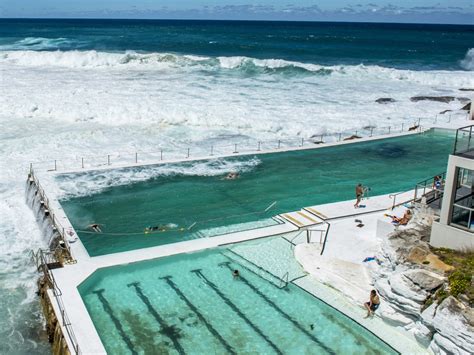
(455, 228)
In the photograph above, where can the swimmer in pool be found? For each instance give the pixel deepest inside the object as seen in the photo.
(232, 176)
(95, 227)
(236, 274)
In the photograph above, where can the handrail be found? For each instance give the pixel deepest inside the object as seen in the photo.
(423, 184)
(325, 238)
(132, 157)
(42, 263)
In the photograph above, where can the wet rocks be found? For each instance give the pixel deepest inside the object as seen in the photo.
(385, 100)
(444, 99)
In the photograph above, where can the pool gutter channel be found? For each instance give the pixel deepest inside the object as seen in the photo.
(71, 276)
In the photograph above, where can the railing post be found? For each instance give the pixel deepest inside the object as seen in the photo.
(82, 162)
(307, 236)
(55, 165)
(302, 141)
(389, 129)
(235, 148)
(187, 154)
(402, 127)
(279, 144)
(371, 131)
(340, 135)
(108, 159)
(136, 157)
(161, 154)
(212, 150)
(259, 144)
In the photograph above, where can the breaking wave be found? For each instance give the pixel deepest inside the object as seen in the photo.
(85, 184)
(468, 61)
(245, 66)
(40, 44)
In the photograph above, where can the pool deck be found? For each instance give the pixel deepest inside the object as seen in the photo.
(340, 215)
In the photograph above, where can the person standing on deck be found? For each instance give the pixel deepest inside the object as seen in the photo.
(359, 193)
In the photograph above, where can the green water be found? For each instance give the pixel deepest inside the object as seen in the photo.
(292, 179)
(192, 304)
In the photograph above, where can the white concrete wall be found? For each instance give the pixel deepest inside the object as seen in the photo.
(450, 237)
(442, 234)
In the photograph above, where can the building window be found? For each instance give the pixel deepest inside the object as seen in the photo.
(463, 205)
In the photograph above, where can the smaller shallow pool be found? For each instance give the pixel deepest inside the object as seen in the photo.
(192, 304)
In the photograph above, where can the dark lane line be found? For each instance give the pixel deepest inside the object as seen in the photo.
(279, 310)
(118, 325)
(209, 326)
(236, 309)
(155, 314)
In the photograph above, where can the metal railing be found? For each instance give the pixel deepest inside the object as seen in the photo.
(463, 140)
(128, 158)
(427, 186)
(323, 234)
(42, 258)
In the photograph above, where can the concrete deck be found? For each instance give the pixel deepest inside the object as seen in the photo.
(70, 277)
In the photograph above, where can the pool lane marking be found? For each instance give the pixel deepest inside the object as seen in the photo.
(307, 217)
(293, 220)
(155, 314)
(315, 212)
(199, 314)
(249, 269)
(118, 325)
(236, 309)
(281, 311)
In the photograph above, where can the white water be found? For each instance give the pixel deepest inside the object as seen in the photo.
(56, 105)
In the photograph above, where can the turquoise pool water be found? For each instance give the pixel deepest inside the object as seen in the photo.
(192, 304)
(292, 179)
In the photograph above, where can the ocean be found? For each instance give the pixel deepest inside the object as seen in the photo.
(71, 88)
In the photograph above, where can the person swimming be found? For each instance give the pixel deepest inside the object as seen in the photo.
(95, 227)
(232, 176)
(236, 274)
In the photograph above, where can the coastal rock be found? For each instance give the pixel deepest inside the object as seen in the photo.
(453, 322)
(354, 136)
(445, 99)
(385, 100)
(423, 334)
(424, 279)
(399, 302)
(392, 316)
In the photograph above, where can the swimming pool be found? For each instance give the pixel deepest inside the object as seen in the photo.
(213, 205)
(192, 304)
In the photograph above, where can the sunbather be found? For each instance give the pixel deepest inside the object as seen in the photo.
(401, 221)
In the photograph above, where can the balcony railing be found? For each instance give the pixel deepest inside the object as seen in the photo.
(464, 143)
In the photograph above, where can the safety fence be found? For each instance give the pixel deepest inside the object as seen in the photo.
(248, 146)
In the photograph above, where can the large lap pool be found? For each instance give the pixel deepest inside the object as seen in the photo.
(192, 304)
(212, 205)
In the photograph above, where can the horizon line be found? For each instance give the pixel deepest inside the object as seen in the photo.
(233, 20)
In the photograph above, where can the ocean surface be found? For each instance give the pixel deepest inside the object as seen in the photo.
(71, 88)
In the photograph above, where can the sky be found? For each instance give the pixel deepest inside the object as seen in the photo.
(418, 11)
